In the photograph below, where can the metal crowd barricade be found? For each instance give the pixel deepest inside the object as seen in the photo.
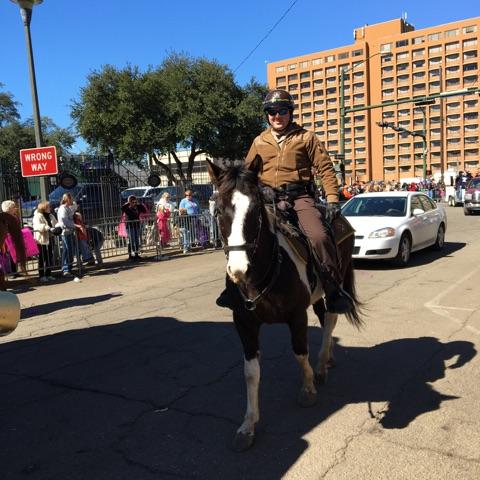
(195, 231)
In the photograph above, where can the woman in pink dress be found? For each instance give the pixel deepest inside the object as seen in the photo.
(164, 210)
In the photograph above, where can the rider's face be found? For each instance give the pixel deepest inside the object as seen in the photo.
(279, 122)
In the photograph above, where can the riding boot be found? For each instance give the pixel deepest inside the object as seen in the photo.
(337, 299)
(224, 300)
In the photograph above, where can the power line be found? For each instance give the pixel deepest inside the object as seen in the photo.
(266, 36)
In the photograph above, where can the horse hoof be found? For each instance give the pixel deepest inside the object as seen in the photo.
(320, 378)
(307, 399)
(243, 441)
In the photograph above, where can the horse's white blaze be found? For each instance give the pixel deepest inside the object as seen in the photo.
(238, 261)
(251, 369)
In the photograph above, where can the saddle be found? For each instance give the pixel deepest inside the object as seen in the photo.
(287, 224)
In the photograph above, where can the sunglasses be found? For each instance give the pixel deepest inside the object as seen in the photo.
(280, 111)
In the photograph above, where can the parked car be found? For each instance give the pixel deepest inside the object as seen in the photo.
(145, 195)
(472, 197)
(391, 225)
(96, 201)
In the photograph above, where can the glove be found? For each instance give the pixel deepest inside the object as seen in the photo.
(333, 211)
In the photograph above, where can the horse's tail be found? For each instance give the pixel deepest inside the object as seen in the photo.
(355, 314)
(15, 232)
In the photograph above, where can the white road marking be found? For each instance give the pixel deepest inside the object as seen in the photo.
(443, 310)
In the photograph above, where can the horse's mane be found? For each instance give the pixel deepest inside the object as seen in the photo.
(238, 178)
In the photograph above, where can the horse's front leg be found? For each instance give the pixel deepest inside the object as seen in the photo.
(246, 433)
(248, 330)
(298, 330)
(325, 356)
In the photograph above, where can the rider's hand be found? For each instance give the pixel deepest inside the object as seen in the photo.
(333, 211)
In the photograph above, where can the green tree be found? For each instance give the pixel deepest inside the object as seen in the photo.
(185, 102)
(8, 108)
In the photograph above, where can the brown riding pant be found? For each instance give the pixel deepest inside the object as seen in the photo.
(310, 220)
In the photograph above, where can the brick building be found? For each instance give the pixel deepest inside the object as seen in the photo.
(391, 61)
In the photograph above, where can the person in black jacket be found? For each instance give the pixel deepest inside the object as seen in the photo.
(132, 210)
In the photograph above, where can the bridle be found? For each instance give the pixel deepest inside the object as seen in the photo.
(272, 272)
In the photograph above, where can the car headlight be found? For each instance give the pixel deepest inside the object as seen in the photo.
(468, 196)
(383, 233)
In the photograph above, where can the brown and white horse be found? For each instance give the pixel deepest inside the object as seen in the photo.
(269, 284)
(9, 225)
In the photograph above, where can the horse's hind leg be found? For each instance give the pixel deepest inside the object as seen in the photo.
(298, 330)
(325, 356)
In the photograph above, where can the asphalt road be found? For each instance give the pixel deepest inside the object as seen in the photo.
(134, 373)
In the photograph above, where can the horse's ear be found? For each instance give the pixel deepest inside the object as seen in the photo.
(256, 166)
(213, 171)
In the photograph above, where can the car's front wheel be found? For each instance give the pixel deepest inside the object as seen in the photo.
(404, 250)
(440, 240)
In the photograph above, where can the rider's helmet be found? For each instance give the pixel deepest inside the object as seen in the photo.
(278, 99)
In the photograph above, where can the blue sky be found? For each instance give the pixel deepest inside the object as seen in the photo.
(72, 38)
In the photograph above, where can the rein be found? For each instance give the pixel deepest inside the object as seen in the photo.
(272, 272)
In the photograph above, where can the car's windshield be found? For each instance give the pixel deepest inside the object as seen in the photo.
(57, 194)
(474, 183)
(375, 207)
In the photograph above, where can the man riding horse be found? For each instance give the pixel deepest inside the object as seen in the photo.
(290, 154)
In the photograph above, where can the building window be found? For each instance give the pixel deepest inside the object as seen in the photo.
(435, 61)
(452, 33)
(471, 116)
(318, 93)
(387, 70)
(280, 80)
(418, 87)
(469, 67)
(295, 96)
(401, 43)
(357, 53)
(387, 81)
(472, 42)
(434, 85)
(418, 40)
(453, 118)
(332, 121)
(305, 75)
(402, 56)
(469, 29)
(293, 77)
(359, 118)
(389, 114)
(306, 116)
(452, 69)
(305, 95)
(402, 66)
(331, 90)
(470, 55)
(452, 82)
(469, 140)
(331, 101)
(305, 85)
(317, 61)
(303, 64)
(470, 128)
(434, 36)
(280, 69)
(420, 52)
(452, 57)
(418, 76)
(333, 132)
(453, 130)
(330, 58)
(343, 55)
(317, 82)
(452, 46)
(403, 90)
(306, 105)
(331, 111)
(386, 47)
(453, 106)
(403, 78)
(293, 87)
(292, 66)
(418, 63)
(317, 73)
(435, 49)
(386, 58)
(470, 103)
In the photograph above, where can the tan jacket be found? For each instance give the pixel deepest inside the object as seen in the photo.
(292, 160)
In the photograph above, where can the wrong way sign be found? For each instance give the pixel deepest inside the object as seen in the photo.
(38, 161)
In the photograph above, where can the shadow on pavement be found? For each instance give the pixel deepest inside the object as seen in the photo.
(421, 257)
(47, 308)
(157, 398)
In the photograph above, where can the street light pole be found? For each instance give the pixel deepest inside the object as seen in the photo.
(422, 105)
(26, 7)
